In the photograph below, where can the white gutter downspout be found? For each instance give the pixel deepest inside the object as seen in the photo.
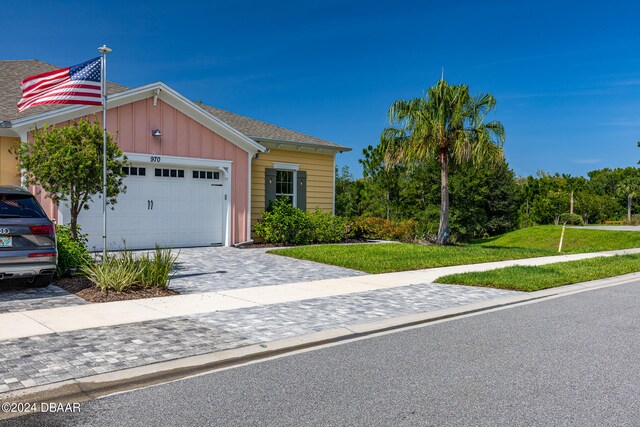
(24, 137)
(333, 209)
(227, 195)
(249, 164)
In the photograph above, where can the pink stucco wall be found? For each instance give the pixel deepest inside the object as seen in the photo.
(183, 137)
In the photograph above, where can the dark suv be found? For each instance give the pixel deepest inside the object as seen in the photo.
(27, 238)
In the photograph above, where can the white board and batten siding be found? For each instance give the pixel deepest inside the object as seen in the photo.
(169, 201)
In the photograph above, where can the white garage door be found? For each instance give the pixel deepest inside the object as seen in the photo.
(169, 206)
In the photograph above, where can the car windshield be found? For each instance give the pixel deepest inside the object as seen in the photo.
(19, 206)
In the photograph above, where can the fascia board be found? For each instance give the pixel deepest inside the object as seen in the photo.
(301, 146)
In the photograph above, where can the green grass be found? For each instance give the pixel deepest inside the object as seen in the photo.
(529, 279)
(576, 240)
(384, 258)
(525, 243)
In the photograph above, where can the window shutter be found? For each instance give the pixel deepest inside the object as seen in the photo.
(269, 187)
(301, 195)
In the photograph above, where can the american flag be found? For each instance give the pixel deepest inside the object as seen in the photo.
(79, 84)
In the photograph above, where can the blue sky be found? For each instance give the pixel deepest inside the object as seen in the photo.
(566, 75)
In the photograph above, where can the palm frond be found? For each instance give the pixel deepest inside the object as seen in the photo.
(447, 121)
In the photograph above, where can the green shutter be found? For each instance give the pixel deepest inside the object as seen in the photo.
(301, 196)
(269, 187)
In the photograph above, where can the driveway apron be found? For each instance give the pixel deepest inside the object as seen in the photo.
(221, 268)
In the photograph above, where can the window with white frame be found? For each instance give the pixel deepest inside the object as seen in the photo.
(286, 185)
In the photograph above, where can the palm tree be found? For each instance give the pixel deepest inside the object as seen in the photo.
(447, 124)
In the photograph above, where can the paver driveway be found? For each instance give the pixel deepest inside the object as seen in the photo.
(198, 270)
(15, 297)
(219, 268)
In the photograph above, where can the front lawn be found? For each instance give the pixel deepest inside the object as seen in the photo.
(388, 257)
(529, 279)
(576, 240)
(526, 243)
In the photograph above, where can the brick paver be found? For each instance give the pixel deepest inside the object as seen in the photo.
(214, 269)
(198, 270)
(17, 298)
(50, 358)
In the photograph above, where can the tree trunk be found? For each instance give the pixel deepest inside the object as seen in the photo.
(74, 211)
(73, 222)
(571, 204)
(388, 205)
(629, 201)
(443, 230)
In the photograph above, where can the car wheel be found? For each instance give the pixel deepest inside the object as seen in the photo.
(40, 281)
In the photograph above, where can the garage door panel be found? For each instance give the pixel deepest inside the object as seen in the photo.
(184, 212)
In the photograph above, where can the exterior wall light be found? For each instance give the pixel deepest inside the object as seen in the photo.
(156, 132)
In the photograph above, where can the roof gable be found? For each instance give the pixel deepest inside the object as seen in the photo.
(157, 89)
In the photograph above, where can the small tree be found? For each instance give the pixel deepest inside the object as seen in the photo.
(67, 163)
(347, 193)
(382, 183)
(447, 124)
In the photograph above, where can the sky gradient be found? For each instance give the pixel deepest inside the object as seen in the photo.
(566, 75)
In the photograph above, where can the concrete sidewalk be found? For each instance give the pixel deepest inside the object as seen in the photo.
(78, 317)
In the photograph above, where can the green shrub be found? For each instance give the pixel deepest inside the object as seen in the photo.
(406, 230)
(157, 271)
(571, 219)
(372, 228)
(326, 228)
(285, 224)
(114, 273)
(71, 253)
(384, 229)
(125, 270)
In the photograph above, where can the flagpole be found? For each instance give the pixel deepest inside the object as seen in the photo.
(104, 50)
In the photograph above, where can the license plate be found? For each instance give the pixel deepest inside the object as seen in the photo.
(6, 242)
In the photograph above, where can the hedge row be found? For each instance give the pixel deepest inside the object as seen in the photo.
(285, 224)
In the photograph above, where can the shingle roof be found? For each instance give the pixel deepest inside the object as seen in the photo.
(12, 72)
(257, 129)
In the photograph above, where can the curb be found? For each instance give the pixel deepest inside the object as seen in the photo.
(92, 387)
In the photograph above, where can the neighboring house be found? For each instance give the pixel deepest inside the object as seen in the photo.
(204, 181)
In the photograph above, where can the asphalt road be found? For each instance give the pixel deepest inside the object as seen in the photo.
(568, 361)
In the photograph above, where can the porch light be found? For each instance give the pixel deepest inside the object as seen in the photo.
(156, 132)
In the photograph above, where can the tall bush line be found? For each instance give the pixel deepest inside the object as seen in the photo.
(284, 224)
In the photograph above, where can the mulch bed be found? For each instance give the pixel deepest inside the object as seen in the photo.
(86, 290)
